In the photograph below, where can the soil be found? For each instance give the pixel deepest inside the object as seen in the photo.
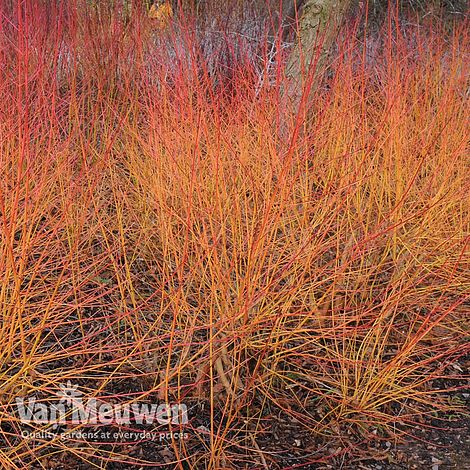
(439, 442)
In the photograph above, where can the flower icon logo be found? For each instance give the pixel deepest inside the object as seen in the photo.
(69, 393)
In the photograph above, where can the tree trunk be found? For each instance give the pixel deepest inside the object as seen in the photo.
(316, 24)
